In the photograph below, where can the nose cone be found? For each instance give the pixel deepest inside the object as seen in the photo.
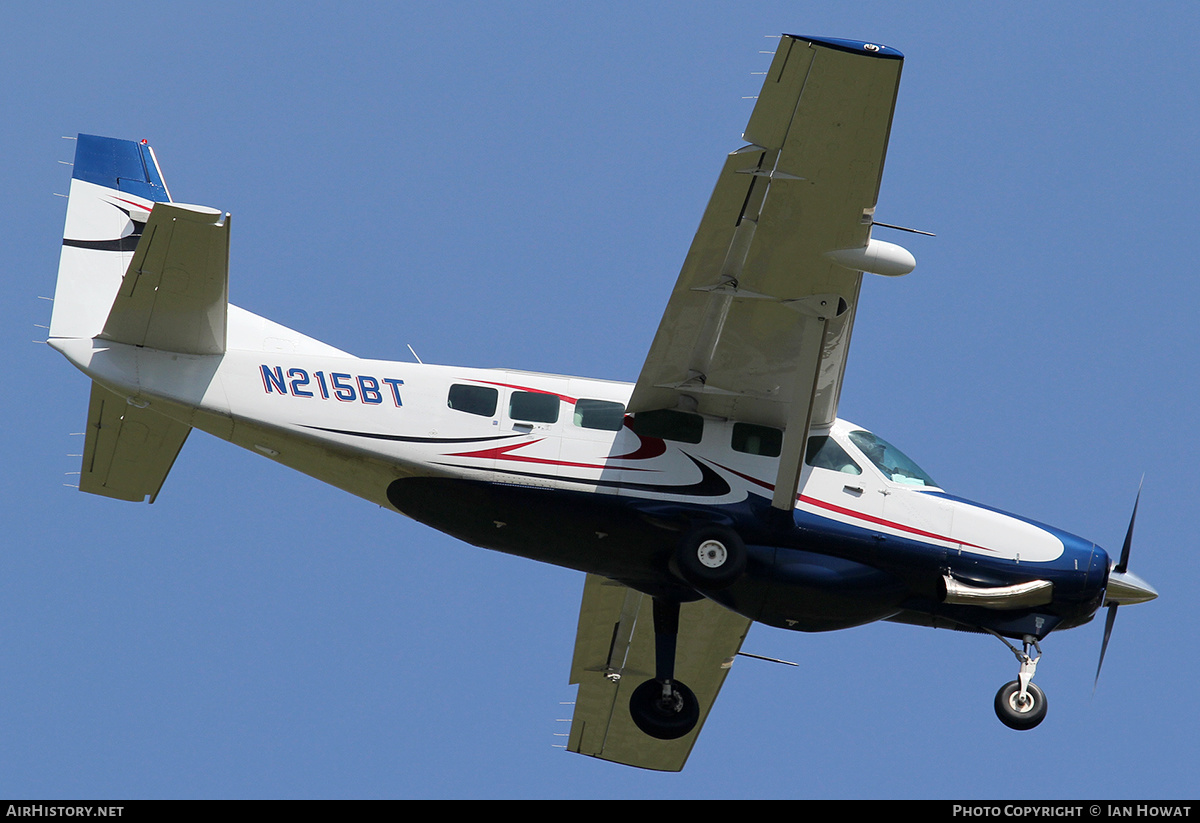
(1126, 587)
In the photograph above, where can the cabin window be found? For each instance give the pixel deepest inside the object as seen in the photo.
(599, 414)
(669, 425)
(533, 407)
(895, 464)
(480, 400)
(761, 440)
(824, 453)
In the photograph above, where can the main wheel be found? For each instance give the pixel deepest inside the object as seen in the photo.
(711, 557)
(665, 719)
(1018, 714)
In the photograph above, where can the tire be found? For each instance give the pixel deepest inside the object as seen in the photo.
(1016, 716)
(664, 722)
(711, 557)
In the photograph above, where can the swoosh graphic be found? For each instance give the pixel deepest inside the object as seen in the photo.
(504, 453)
(710, 483)
(127, 243)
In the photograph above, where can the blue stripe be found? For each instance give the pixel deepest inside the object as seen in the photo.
(123, 165)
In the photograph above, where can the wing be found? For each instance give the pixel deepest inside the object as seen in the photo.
(758, 326)
(614, 653)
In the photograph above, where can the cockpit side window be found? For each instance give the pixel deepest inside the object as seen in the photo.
(823, 452)
(895, 464)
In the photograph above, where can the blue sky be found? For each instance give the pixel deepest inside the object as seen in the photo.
(516, 185)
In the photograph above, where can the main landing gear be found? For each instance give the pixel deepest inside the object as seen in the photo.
(663, 707)
(710, 558)
(1020, 704)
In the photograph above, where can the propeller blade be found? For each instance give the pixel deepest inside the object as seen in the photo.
(1108, 626)
(1123, 587)
(1123, 564)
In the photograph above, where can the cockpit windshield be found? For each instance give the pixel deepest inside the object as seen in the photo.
(895, 464)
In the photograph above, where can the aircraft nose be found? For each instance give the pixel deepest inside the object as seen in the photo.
(1126, 587)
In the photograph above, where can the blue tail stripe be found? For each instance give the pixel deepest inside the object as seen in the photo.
(118, 164)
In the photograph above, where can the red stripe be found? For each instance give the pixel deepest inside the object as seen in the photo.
(561, 397)
(502, 453)
(130, 202)
(821, 504)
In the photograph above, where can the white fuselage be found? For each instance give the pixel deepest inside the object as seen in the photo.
(360, 424)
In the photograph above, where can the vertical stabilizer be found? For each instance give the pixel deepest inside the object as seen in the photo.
(114, 185)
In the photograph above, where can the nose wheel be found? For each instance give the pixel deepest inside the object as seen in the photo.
(1019, 704)
(1020, 711)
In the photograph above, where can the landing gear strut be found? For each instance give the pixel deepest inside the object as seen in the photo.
(663, 707)
(1020, 704)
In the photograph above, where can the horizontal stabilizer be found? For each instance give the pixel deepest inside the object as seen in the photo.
(175, 295)
(128, 450)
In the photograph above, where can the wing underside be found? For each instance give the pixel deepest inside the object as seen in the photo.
(758, 325)
(614, 654)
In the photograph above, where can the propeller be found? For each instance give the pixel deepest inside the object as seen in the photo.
(1124, 587)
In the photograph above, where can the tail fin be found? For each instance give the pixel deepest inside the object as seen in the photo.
(114, 185)
(139, 269)
(135, 267)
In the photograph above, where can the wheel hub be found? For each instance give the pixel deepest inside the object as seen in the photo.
(712, 553)
(1020, 702)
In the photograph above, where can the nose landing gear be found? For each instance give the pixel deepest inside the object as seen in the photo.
(1020, 704)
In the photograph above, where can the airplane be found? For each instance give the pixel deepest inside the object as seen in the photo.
(719, 490)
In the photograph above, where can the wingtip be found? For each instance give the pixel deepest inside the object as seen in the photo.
(864, 47)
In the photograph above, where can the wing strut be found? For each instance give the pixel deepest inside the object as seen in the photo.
(795, 435)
